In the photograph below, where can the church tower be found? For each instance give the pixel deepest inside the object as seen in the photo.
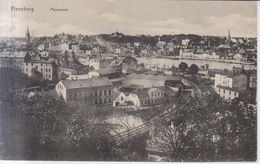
(28, 35)
(228, 41)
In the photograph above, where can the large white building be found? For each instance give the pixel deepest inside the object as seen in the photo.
(229, 84)
(13, 59)
(94, 91)
(47, 68)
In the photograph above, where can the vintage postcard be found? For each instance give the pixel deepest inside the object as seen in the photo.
(131, 80)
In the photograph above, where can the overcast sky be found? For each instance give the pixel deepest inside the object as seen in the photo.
(151, 17)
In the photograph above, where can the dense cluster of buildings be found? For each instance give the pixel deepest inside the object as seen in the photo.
(135, 86)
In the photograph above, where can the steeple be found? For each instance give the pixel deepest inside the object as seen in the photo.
(229, 35)
(27, 35)
(228, 41)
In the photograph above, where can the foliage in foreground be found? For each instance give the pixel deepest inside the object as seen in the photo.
(208, 129)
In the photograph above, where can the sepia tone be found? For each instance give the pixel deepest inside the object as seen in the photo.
(110, 80)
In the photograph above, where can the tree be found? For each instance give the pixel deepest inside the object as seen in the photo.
(193, 69)
(183, 67)
(208, 129)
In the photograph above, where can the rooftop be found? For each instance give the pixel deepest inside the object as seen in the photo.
(86, 83)
(153, 77)
(13, 54)
(234, 89)
(107, 70)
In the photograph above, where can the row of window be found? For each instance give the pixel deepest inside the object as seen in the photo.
(74, 96)
(152, 101)
(224, 91)
(157, 94)
(41, 64)
(60, 86)
(48, 76)
(95, 101)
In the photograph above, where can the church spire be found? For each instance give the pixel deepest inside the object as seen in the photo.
(28, 35)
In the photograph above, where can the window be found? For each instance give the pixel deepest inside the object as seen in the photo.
(96, 93)
(69, 96)
(49, 70)
(41, 69)
(100, 101)
(109, 92)
(235, 93)
(49, 75)
(100, 93)
(46, 76)
(229, 98)
(46, 70)
(90, 94)
(122, 98)
(41, 64)
(26, 64)
(218, 90)
(32, 64)
(224, 97)
(151, 94)
(224, 91)
(26, 70)
(105, 92)
(105, 100)
(229, 92)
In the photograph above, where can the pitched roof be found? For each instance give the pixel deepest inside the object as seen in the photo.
(153, 77)
(141, 93)
(116, 94)
(167, 91)
(86, 83)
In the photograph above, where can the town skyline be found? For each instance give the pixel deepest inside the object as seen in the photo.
(130, 18)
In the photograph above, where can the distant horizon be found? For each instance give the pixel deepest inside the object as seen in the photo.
(20, 37)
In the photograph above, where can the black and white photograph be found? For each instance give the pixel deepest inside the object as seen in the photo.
(128, 81)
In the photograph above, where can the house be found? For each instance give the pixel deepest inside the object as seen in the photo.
(119, 99)
(13, 59)
(230, 84)
(186, 52)
(185, 42)
(94, 91)
(48, 69)
(146, 96)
